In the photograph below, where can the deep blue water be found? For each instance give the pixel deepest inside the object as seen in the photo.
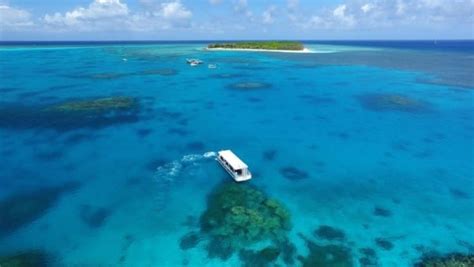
(375, 139)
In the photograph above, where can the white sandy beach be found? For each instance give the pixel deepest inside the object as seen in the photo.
(304, 51)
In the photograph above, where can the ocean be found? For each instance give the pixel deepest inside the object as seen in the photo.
(362, 154)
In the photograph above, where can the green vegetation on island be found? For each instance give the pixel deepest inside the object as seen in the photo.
(264, 45)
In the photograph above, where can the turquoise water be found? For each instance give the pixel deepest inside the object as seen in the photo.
(376, 142)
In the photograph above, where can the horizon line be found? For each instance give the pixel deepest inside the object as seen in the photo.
(238, 40)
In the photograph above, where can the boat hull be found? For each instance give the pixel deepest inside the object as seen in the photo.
(236, 177)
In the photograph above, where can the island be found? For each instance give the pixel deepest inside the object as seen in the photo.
(272, 46)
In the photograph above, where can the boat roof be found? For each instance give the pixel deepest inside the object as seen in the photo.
(233, 160)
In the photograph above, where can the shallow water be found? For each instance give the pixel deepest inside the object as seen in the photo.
(377, 142)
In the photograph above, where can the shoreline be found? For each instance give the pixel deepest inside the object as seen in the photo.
(304, 51)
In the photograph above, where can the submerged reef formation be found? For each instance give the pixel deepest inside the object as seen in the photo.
(369, 257)
(392, 102)
(450, 260)
(293, 174)
(330, 233)
(239, 215)
(32, 258)
(92, 216)
(260, 258)
(23, 208)
(108, 104)
(69, 115)
(189, 240)
(327, 256)
(250, 85)
(161, 72)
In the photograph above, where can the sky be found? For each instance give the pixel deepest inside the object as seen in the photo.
(236, 19)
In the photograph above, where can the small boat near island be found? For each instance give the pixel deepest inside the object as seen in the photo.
(234, 166)
(194, 62)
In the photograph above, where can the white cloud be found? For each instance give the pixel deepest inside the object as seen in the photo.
(114, 15)
(341, 15)
(12, 19)
(389, 13)
(268, 16)
(99, 15)
(174, 11)
(367, 7)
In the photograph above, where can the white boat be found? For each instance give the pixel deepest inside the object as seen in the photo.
(234, 166)
(194, 62)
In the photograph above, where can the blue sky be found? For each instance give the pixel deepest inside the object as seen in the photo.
(235, 19)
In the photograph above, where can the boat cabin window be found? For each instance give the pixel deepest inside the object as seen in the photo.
(239, 172)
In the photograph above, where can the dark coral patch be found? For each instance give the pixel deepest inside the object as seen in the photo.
(393, 102)
(219, 248)
(262, 258)
(144, 132)
(31, 258)
(93, 217)
(250, 85)
(238, 215)
(449, 260)
(288, 251)
(384, 243)
(70, 115)
(269, 154)
(330, 233)
(369, 258)
(161, 72)
(458, 193)
(189, 240)
(327, 256)
(294, 174)
(22, 209)
(382, 212)
(226, 75)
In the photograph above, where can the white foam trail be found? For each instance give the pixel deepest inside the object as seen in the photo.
(166, 174)
(210, 154)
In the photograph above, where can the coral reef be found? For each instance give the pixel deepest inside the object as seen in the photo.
(384, 243)
(161, 72)
(31, 258)
(23, 208)
(327, 256)
(92, 216)
(189, 240)
(269, 154)
(294, 174)
(69, 115)
(96, 105)
(238, 215)
(450, 260)
(330, 233)
(369, 257)
(392, 102)
(250, 85)
(288, 251)
(262, 258)
(382, 212)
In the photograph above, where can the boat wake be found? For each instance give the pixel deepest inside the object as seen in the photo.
(167, 174)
